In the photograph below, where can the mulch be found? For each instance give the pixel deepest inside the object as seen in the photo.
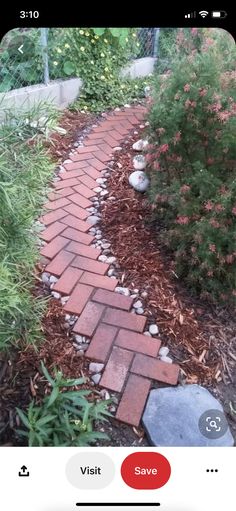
(201, 338)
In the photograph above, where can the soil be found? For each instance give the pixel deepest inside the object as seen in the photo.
(201, 338)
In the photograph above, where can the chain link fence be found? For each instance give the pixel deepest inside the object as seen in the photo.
(32, 56)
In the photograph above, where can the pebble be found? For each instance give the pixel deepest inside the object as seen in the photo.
(144, 294)
(100, 180)
(122, 290)
(97, 189)
(139, 310)
(141, 126)
(102, 258)
(110, 272)
(137, 304)
(104, 192)
(96, 378)
(106, 251)
(67, 317)
(95, 367)
(92, 230)
(111, 260)
(105, 394)
(79, 339)
(64, 299)
(45, 278)
(118, 148)
(99, 231)
(136, 290)
(119, 165)
(133, 296)
(91, 210)
(98, 236)
(106, 245)
(56, 295)
(168, 360)
(147, 333)
(93, 220)
(153, 329)
(163, 351)
(53, 279)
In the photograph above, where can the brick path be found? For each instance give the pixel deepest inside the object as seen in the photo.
(130, 357)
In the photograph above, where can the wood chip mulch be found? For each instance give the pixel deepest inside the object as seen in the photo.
(201, 338)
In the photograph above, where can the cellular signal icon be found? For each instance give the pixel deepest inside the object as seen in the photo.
(203, 14)
(191, 15)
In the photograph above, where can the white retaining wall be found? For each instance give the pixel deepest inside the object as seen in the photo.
(62, 92)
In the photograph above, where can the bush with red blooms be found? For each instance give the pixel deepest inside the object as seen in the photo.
(192, 161)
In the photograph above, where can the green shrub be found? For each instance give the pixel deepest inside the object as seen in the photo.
(65, 418)
(25, 169)
(192, 156)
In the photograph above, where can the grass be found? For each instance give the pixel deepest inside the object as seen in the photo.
(25, 169)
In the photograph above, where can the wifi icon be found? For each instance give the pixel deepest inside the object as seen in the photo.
(203, 14)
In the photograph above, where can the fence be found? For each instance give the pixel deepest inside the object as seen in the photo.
(33, 56)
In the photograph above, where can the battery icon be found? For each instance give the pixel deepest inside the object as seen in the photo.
(218, 14)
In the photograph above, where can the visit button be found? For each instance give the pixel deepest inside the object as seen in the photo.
(145, 470)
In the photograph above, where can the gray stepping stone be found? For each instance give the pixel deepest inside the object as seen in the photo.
(185, 416)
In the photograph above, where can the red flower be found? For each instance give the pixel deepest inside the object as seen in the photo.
(185, 188)
(219, 207)
(208, 206)
(202, 91)
(182, 220)
(164, 148)
(187, 87)
(212, 247)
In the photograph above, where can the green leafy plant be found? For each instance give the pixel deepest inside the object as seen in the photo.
(25, 170)
(65, 417)
(192, 155)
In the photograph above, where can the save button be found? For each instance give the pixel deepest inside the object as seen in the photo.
(145, 470)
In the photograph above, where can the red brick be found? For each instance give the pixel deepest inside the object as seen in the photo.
(116, 369)
(52, 231)
(75, 235)
(97, 164)
(121, 130)
(92, 266)
(60, 262)
(83, 250)
(114, 134)
(104, 127)
(95, 135)
(92, 148)
(68, 280)
(54, 247)
(88, 181)
(102, 156)
(98, 281)
(49, 218)
(125, 319)
(75, 165)
(65, 183)
(84, 190)
(64, 192)
(77, 211)
(78, 299)
(126, 124)
(133, 400)
(113, 299)
(106, 148)
(137, 342)
(92, 172)
(101, 342)
(56, 204)
(109, 140)
(80, 157)
(155, 369)
(80, 200)
(72, 173)
(88, 142)
(89, 319)
(72, 221)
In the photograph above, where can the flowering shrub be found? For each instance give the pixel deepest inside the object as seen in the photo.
(97, 55)
(192, 163)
